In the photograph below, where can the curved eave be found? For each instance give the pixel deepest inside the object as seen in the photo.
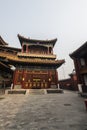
(10, 48)
(56, 63)
(82, 50)
(60, 62)
(23, 39)
(5, 67)
(2, 42)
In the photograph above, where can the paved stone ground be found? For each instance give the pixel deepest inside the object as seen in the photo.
(43, 112)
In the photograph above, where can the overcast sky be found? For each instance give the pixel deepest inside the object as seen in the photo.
(65, 20)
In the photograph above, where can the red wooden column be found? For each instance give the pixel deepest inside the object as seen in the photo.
(52, 51)
(49, 79)
(77, 68)
(22, 48)
(23, 79)
(48, 50)
(26, 48)
(56, 77)
(14, 78)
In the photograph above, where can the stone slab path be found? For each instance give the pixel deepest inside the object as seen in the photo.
(64, 111)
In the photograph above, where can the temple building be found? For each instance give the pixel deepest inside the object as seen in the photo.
(79, 57)
(35, 64)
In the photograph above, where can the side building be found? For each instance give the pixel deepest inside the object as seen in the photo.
(69, 83)
(80, 61)
(6, 73)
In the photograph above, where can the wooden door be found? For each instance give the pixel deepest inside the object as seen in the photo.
(17, 81)
(27, 83)
(36, 84)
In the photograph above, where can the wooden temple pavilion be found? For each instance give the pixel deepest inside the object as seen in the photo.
(36, 65)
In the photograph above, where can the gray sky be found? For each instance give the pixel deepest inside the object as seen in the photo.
(65, 20)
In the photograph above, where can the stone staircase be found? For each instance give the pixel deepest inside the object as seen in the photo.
(36, 91)
(33, 91)
(52, 91)
(16, 91)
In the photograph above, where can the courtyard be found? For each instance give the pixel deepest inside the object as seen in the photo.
(61, 111)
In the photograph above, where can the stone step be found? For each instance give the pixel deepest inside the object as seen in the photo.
(49, 91)
(16, 91)
(36, 91)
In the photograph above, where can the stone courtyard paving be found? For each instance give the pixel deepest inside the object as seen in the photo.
(43, 112)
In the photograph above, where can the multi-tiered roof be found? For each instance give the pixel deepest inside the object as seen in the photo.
(17, 56)
(42, 57)
(34, 41)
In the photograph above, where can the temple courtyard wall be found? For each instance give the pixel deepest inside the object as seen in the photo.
(61, 111)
